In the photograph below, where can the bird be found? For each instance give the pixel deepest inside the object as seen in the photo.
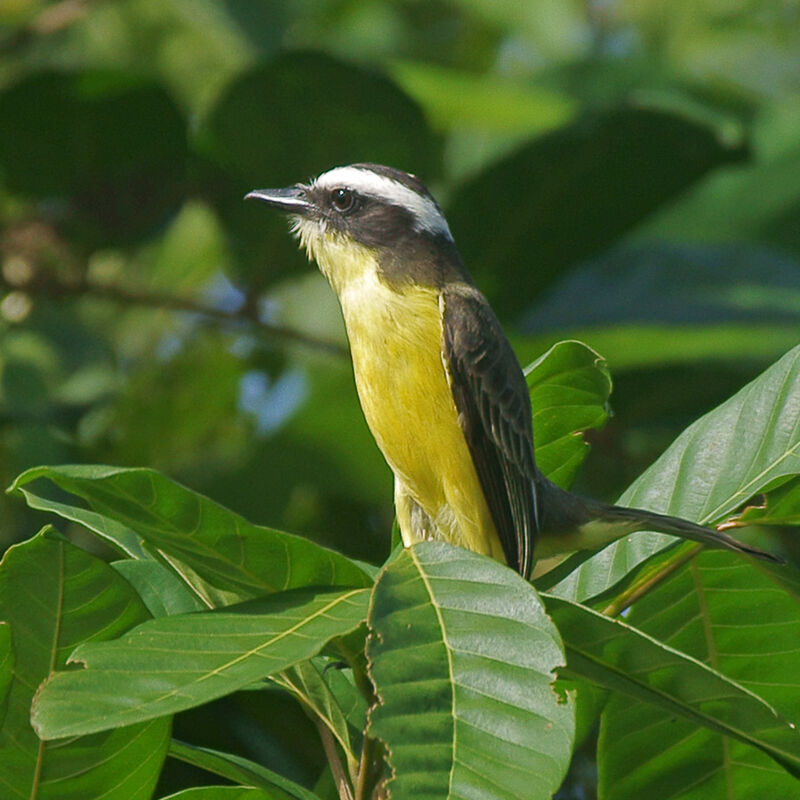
(439, 384)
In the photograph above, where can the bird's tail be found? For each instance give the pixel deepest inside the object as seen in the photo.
(637, 519)
(581, 523)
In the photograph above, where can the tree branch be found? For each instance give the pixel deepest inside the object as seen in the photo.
(41, 285)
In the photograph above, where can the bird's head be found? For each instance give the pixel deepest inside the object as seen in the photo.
(368, 214)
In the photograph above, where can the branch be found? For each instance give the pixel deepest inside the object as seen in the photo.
(51, 286)
(332, 754)
(48, 21)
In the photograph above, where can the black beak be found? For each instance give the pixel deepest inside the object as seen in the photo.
(293, 199)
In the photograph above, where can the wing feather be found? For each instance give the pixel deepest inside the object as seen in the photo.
(492, 400)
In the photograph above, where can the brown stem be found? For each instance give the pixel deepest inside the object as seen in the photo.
(49, 20)
(51, 286)
(640, 588)
(332, 754)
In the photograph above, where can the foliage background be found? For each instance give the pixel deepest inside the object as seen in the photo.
(626, 172)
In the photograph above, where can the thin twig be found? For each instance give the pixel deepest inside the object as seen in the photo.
(51, 286)
(332, 754)
(49, 20)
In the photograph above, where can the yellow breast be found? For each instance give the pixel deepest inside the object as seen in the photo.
(396, 345)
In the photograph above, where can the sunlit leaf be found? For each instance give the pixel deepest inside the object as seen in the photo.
(160, 589)
(722, 611)
(718, 463)
(462, 657)
(780, 506)
(174, 663)
(618, 657)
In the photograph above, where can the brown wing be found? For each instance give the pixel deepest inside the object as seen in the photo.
(495, 414)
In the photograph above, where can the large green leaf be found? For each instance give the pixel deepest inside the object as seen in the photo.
(715, 465)
(220, 554)
(615, 655)
(6, 666)
(569, 387)
(239, 770)
(462, 657)
(723, 612)
(178, 662)
(548, 205)
(56, 596)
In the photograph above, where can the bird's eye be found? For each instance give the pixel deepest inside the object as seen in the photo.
(343, 199)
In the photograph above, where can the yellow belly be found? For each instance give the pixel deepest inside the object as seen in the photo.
(396, 345)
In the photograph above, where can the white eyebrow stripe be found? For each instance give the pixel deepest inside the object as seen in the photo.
(367, 182)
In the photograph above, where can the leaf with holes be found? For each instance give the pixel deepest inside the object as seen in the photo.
(722, 611)
(616, 656)
(462, 656)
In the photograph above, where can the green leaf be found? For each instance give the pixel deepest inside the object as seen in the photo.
(222, 793)
(306, 682)
(547, 205)
(56, 596)
(6, 666)
(221, 555)
(160, 589)
(462, 657)
(119, 537)
(569, 387)
(616, 656)
(239, 770)
(722, 611)
(174, 663)
(715, 465)
(459, 99)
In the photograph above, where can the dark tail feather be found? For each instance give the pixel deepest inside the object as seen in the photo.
(650, 521)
